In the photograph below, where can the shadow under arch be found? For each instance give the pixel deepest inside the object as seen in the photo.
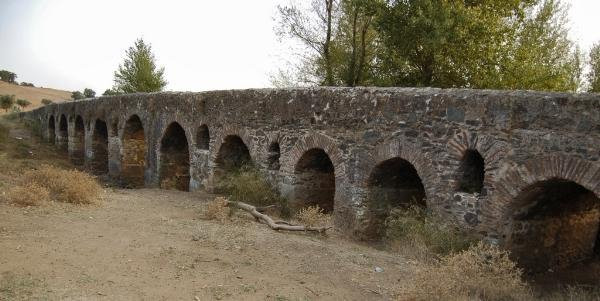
(174, 169)
(133, 160)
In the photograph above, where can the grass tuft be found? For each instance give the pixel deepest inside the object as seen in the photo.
(482, 272)
(424, 234)
(68, 186)
(217, 209)
(30, 194)
(313, 216)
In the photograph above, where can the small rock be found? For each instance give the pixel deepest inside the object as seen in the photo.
(378, 269)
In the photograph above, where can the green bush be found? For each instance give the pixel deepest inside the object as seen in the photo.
(248, 185)
(416, 227)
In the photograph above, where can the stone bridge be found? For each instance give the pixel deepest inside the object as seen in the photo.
(520, 168)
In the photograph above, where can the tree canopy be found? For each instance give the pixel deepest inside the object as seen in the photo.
(7, 102)
(500, 44)
(89, 93)
(7, 76)
(139, 72)
(594, 73)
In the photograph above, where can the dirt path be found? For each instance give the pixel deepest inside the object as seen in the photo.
(154, 245)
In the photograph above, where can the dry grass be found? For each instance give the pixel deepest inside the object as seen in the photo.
(248, 185)
(575, 293)
(217, 209)
(313, 216)
(33, 94)
(482, 272)
(30, 194)
(424, 235)
(69, 186)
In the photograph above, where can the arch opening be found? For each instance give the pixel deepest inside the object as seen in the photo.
(203, 137)
(174, 159)
(392, 184)
(471, 172)
(314, 180)
(133, 161)
(51, 130)
(273, 155)
(78, 142)
(63, 133)
(233, 154)
(100, 147)
(555, 224)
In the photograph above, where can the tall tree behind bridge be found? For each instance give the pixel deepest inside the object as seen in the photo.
(139, 72)
(594, 73)
(516, 44)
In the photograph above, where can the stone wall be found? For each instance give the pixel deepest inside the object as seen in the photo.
(521, 137)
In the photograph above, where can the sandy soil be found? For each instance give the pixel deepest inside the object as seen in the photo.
(155, 245)
(33, 94)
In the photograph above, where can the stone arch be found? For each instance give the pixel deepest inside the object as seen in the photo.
(273, 156)
(99, 160)
(203, 137)
(134, 152)
(232, 155)
(512, 179)
(77, 144)
(51, 130)
(555, 224)
(314, 180)
(471, 172)
(310, 141)
(411, 154)
(465, 147)
(174, 168)
(63, 132)
(393, 183)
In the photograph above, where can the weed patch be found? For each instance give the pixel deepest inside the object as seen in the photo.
(249, 186)
(217, 209)
(482, 272)
(69, 186)
(313, 216)
(30, 194)
(424, 234)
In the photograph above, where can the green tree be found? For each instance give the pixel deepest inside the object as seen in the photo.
(46, 101)
(139, 73)
(594, 74)
(517, 44)
(89, 93)
(315, 27)
(23, 103)
(7, 76)
(76, 95)
(7, 102)
(110, 92)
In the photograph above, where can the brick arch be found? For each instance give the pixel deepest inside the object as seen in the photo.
(489, 148)
(195, 128)
(186, 128)
(411, 153)
(231, 130)
(513, 179)
(311, 141)
(123, 122)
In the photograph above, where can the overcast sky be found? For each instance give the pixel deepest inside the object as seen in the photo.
(204, 45)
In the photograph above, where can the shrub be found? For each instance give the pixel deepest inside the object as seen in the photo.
(425, 232)
(30, 194)
(571, 293)
(46, 101)
(69, 186)
(482, 272)
(313, 216)
(217, 209)
(249, 186)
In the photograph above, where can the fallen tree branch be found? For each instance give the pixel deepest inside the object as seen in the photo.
(279, 225)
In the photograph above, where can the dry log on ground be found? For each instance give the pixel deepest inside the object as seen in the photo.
(275, 225)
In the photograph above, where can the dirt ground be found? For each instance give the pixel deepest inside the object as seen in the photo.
(155, 245)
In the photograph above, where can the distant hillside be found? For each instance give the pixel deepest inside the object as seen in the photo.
(34, 95)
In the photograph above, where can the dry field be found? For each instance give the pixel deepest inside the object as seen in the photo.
(153, 244)
(33, 94)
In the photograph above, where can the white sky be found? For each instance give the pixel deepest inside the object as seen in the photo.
(204, 45)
